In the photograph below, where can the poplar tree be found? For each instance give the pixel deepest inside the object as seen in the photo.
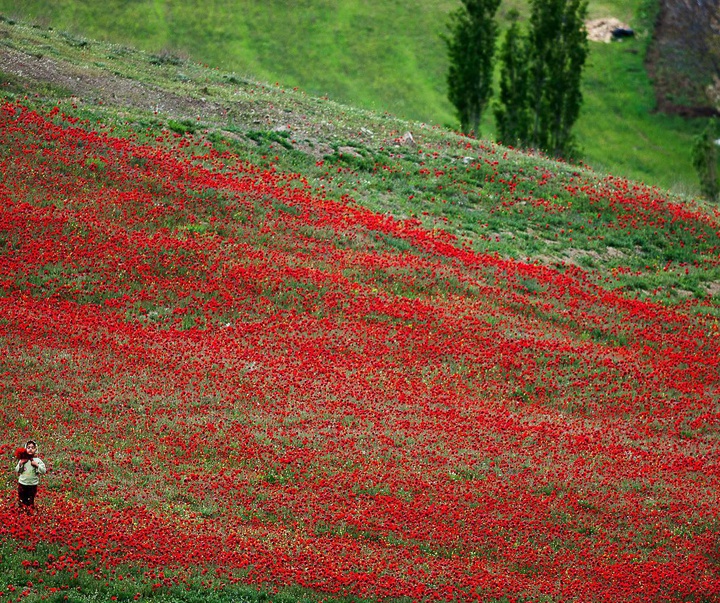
(512, 115)
(557, 50)
(471, 50)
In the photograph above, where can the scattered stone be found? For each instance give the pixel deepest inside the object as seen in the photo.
(601, 30)
(350, 151)
(406, 140)
(622, 32)
(712, 288)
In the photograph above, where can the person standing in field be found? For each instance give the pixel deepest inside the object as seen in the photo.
(28, 468)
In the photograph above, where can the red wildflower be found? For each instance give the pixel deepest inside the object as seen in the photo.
(22, 455)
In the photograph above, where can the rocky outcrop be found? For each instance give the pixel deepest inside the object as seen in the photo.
(606, 29)
(684, 58)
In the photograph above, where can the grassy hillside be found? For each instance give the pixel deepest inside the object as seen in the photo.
(274, 348)
(388, 56)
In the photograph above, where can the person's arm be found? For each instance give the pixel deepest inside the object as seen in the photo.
(40, 468)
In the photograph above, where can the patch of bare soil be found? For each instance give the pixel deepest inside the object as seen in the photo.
(90, 84)
(712, 288)
(96, 85)
(684, 58)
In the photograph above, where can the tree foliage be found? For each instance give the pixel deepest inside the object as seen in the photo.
(541, 76)
(705, 160)
(512, 115)
(471, 50)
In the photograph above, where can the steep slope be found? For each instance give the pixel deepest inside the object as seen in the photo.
(326, 360)
(388, 56)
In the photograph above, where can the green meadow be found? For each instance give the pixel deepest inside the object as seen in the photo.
(389, 57)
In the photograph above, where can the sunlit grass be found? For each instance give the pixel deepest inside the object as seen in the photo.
(389, 57)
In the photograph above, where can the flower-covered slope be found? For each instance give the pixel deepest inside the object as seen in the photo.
(237, 381)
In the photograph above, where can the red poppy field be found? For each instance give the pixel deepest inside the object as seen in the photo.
(238, 383)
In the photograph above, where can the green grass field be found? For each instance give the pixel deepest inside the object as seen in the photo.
(388, 56)
(618, 130)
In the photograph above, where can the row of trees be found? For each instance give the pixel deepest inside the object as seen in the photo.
(539, 98)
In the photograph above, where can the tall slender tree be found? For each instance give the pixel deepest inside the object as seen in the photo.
(557, 50)
(512, 115)
(471, 50)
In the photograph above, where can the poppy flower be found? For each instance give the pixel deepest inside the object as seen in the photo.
(22, 455)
